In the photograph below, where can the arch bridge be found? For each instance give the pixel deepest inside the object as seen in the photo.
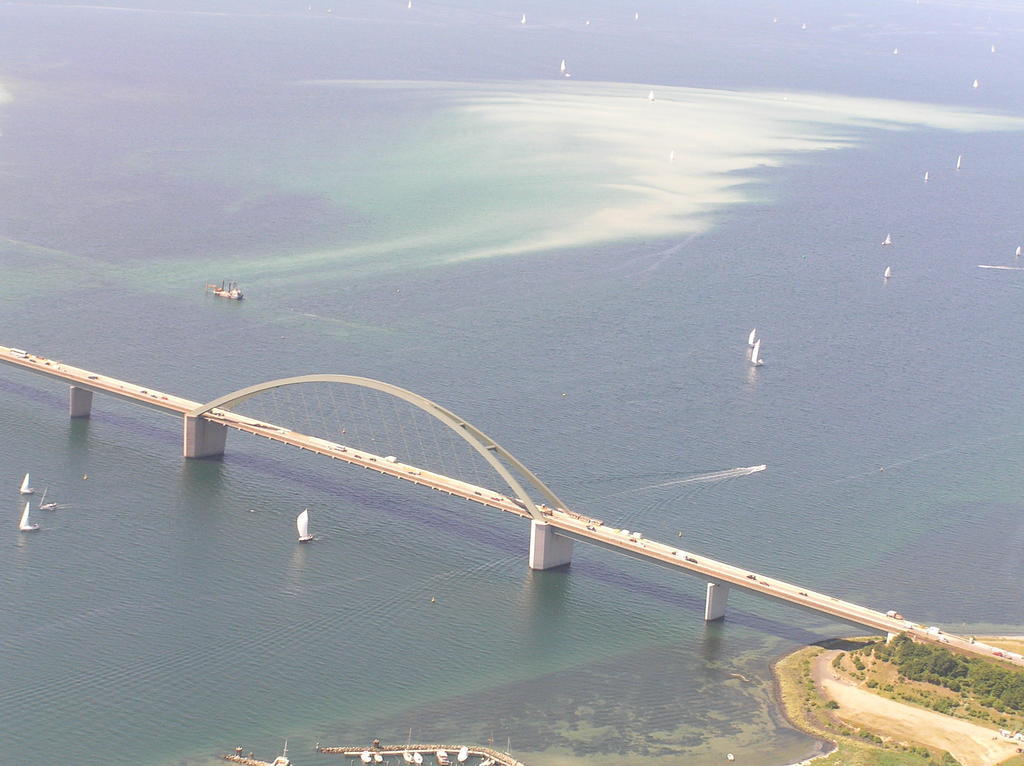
(554, 526)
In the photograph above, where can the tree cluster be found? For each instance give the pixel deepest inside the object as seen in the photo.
(991, 684)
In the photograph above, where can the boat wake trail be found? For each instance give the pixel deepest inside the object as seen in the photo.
(731, 473)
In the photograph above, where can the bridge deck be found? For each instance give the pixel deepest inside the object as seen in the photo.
(571, 524)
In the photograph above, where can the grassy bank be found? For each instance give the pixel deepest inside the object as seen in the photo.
(809, 711)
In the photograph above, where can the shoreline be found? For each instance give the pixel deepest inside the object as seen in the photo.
(806, 694)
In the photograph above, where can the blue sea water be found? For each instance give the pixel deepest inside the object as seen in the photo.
(406, 195)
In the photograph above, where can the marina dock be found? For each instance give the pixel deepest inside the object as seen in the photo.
(480, 751)
(248, 760)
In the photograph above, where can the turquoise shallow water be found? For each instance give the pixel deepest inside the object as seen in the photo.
(157, 620)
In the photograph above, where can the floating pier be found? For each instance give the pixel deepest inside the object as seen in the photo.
(354, 751)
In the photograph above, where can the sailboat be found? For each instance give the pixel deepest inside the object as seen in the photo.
(562, 67)
(887, 240)
(751, 338)
(926, 176)
(282, 760)
(407, 756)
(755, 354)
(650, 96)
(672, 156)
(378, 758)
(43, 505)
(25, 525)
(302, 525)
(992, 49)
(523, 19)
(887, 273)
(417, 758)
(895, 51)
(25, 488)
(975, 84)
(463, 754)
(959, 159)
(1017, 251)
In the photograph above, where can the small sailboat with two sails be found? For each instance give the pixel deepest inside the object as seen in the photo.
(755, 354)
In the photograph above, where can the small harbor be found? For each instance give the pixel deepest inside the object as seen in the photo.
(486, 755)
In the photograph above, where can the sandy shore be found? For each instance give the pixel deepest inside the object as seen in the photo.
(970, 743)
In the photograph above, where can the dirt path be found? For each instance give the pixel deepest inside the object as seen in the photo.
(969, 743)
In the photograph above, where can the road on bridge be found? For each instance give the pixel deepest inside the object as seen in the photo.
(575, 525)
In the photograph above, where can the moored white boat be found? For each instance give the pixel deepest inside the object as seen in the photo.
(407, 756)
(282, 760)
(378, 758)
(25, 488)
(442, 758)
(417, 758)
(463, 754)
(25, 525)
(366, 757)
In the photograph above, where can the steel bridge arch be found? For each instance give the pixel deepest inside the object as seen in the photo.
(489, 449)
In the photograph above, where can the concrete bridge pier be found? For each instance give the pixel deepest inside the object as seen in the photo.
(714, 606)
(204, 438)
(547, 549)
(79, 402)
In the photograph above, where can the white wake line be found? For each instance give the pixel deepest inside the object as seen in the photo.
(1004, 268)
(704, 477)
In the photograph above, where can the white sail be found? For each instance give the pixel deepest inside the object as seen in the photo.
(25, 525)
(926, 175)
(959, 159)
(302, 525)
(887, 240)
(888, 272)
(25, 488)
(650, 96)
(975, 84)
(751, 337)
(755, 355)
(1017, 251)
(523, 19)
(672, 156)
(463, 754)
(563, 66)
